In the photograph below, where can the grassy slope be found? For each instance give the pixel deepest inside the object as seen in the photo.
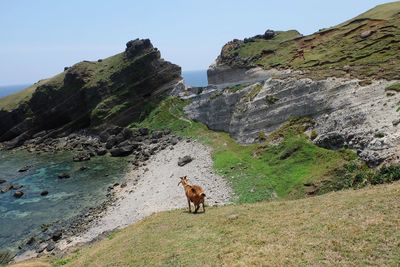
(256, 172)
(328, 51)
(348, 228)
(12, 101)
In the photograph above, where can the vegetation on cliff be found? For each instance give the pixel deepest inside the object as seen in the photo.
(113, 90)
(285, 164)
(365, 47)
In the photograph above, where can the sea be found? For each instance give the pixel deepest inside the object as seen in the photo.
(23, 217)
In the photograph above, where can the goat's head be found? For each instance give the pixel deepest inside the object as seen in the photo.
(184, 180)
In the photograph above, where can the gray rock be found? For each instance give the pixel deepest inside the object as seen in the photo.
(44, 193)
(121, 151)
(18, 194)
(82, 156)
(51, 246)
(24, 169)
(185, 160)
(330, 141)
(63, 175)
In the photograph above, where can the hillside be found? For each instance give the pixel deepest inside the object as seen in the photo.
(365, 47)
(115, 90)
(349, 228)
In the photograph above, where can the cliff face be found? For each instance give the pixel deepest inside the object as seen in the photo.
(114, 91)
(259, 83)
(365, 48)
(347, 114)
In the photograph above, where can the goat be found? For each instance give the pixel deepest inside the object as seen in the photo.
(194, 193)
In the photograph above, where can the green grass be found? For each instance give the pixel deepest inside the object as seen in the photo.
(393, 87)
(260, 171)
(328, 51)
(13, 101)
(348, 228)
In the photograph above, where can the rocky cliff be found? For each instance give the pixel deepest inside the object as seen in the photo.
(365, 47)
(259, 83)
(116, 90)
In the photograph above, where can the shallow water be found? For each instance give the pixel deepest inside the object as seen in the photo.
(20, 218)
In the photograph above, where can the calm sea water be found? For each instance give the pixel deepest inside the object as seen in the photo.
(11, 89)
(20, 218)
(195, 78)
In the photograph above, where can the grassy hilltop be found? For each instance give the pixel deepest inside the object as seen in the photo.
(365, 47)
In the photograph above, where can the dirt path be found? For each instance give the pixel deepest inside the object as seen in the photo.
(156, 189)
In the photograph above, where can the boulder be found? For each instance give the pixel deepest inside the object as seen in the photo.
(121, 151)
(185, 160)
(56, 235)
(143, 131)
(2, 181)
(365, 34)
(82, 156)
(44, 193)
(24, 169)
(330, 141)
(17, 186)
(63, 176)
(111, 141)
(18, 194)
(269, 34)
(101, 151)
(157, 135)
(51, 246)
(6, 187)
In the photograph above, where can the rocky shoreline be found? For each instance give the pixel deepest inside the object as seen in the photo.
(140, 144)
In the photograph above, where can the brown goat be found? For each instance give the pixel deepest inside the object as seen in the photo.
(194, 193)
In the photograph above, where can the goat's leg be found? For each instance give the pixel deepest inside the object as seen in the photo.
(190, 209)
(197, 208)
(204, 210)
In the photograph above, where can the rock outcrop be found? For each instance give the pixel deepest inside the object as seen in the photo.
(111, 91)
(346, 113)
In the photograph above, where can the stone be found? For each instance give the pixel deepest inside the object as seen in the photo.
(63, 175)
(17, 186)
(330, 141)
(44, 193)
(111, 141)
(2, 181)
(6, 187)
(41, 247)
(82, 156)
(396, 122)
(121, 151)
(24, 169)
(143, 131)
(157, 135)
(51, 246)
(269, 34)
(366, 34)
(18, 194)
(185, 160)
(233, 217)
(56, 235)
(101, 151)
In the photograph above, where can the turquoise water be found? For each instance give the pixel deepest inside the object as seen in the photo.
(20, 218)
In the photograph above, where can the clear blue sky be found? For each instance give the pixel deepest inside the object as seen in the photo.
(40, 37)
